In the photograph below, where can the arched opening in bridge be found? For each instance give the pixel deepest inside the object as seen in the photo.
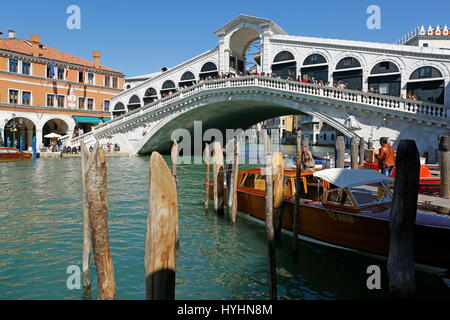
(150, 95)
(57, 126)
(284, 65)
(119, 109)
(16, 130)
(426, 84)
(208, 71)
(186, 80)
(385, 78)
(168, 87)
(245, 48)
(315, 67)
(134, 103)
(349, 72)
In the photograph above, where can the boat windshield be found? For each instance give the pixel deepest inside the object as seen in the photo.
(371, 194)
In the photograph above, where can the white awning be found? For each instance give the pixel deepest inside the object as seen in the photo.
(351, 177)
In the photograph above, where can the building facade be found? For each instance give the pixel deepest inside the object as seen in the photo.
(44, 90)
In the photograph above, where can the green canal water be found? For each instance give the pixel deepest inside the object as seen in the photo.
(41, 235)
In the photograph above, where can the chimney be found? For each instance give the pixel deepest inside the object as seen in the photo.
(96, 55)
(36, 43)
(11, 34)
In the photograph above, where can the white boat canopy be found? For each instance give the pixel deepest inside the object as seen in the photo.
(347, 178)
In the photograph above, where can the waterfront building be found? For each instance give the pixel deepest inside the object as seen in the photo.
(45, 90)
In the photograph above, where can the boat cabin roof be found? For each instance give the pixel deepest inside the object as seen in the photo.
(347, 178)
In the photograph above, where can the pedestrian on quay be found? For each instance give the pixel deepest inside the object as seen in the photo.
(386, 157)
(307, 159)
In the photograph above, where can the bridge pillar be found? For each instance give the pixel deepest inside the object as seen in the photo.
(265, 48)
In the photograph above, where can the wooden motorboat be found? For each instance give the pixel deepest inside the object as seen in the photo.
(13, 154)
(429, 183)
(348, 209)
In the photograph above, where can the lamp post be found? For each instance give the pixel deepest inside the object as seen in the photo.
(13, 127)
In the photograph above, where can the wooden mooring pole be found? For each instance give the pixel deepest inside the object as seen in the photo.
(97, 198)
(403, 220)
(354, 152)
(340, 152)
(269, 217)
(232, 205)
(298, 165)
(87, 240)
(218, 178)
(278, 186)
(174, 160)
(361, 151)
(160, 240)
(206, 157)
(444, 165)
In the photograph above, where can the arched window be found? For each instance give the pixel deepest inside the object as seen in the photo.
(385, 78)
(284, 65)
(119, 109)
(426, 84)
(426, 73)
(315, 68)
(208, 70)
(283, 56)
(150, 95)
(314, 59)
(134, 103)
(349, 73)
(187, 79)
(168, 87)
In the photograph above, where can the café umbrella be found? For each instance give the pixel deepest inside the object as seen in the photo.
(52, 135)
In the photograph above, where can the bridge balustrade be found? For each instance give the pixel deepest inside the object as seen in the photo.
(439, 112)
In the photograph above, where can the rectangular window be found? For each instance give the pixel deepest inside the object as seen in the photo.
(26, 67)
(90, 104)
(13, 65)
(14, 96)
(61, 73)
(115, 83)
(384, 88)
(81, 102)
(50, 72)
(50, 100)
(106, 105)
(348, 62)
(90, 78)
(61, 102)
(26, 97)
(107, 81)
(80, 76)
(425, 72)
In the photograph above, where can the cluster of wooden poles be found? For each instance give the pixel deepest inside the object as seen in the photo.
(162, 223)
(162, 227)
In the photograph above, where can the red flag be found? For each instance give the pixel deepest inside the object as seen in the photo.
(67, 73)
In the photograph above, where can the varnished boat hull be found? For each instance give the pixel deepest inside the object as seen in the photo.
(352, 230)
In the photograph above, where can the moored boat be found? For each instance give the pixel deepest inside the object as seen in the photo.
(429, 182)
(13, 154)
(348, 209)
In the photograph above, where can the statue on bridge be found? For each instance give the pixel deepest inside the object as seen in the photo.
(352, 123)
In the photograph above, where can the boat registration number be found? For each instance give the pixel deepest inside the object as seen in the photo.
(340, 217)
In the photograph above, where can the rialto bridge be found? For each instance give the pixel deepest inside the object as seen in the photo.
(146, 114)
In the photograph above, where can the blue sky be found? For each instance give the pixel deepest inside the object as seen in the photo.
(140, 37)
